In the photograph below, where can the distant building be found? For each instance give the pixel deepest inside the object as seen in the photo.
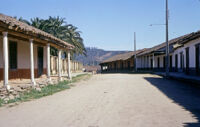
(119, 63)
(184, 57)
(94, 69)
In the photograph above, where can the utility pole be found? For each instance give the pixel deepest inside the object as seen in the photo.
(135, 60)
(167, 39)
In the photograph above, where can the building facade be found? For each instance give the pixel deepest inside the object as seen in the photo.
(25, 51)
(184, 57)
(120, 63)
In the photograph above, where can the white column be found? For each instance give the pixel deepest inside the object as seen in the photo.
(32, 62)
(153, 60)
(48, 62)
(5, 58)
(59, 65)
(69, 65)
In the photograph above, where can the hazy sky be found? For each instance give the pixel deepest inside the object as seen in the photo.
(110, 24)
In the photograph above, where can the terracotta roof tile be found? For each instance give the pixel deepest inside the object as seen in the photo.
(12, 23)
(123, 56)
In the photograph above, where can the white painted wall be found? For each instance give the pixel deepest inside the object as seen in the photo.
(142, 60)
(178, 51)
(45, 57)
(161, 61)
(192, 51)
(138, 62)
(23, 55)
(192, 59)
(1, 52)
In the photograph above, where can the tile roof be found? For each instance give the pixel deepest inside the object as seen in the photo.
(13, 24)
(123, 56)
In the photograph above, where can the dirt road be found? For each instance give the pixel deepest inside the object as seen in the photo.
(111, 100)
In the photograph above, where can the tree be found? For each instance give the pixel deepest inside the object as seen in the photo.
(58, 27)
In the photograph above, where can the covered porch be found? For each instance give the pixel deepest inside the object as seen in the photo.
(25, 54)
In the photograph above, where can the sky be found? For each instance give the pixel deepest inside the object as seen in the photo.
(110, 24)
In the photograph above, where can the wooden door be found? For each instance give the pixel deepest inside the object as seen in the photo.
(129, 64)
(176, 62)
(40, 61)
(151, 63)
(122, 65)
(187, 60)
(170, 63)
(158, 62)
(181, 61)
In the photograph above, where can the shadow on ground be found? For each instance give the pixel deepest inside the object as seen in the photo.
(127, 72)
(186, 95)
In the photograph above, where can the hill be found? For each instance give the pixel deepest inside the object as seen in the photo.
(95, 56)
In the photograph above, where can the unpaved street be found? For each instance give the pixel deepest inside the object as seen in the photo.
(111, 100)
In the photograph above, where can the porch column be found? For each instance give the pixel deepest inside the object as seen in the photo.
(59, 65)
(5, 58)
(32, 62)
(69, 65)
(48, 62)
(153, 61)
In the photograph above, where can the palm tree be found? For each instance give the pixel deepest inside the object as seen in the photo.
(73, 36)
(58, 27)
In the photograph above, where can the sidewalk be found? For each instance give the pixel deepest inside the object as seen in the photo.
(181, 76)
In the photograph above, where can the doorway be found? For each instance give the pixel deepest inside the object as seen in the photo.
(170, 63)
(40, 61)
(151, 64)
(176, 62)
(129, 65)
(122, 65)
(181, 62)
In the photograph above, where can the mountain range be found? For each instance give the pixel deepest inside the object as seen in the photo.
(95, 56)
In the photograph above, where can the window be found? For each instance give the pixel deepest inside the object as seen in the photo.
(187, 60)
(181, 60)
(13, 55)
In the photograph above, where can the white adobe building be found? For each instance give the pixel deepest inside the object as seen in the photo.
(25, 51)
(184, 55)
